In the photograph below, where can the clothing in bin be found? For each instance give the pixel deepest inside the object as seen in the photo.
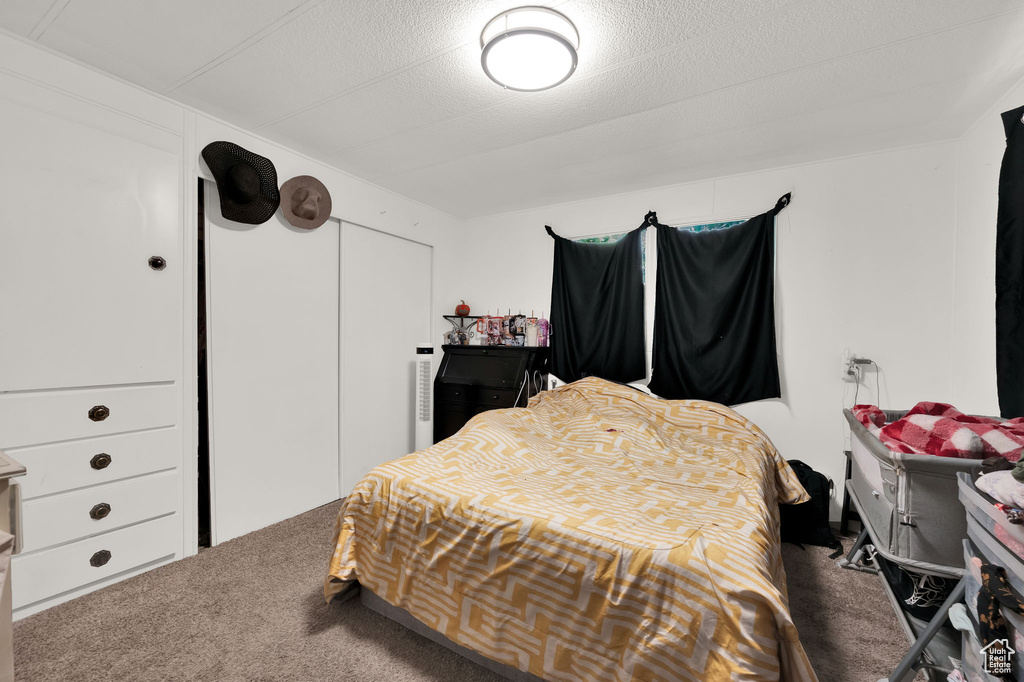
(994, 556)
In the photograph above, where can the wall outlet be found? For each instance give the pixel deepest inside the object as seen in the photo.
(847, 367)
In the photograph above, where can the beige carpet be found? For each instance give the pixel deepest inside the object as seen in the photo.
(251, 609)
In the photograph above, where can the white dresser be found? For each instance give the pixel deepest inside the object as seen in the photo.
(91, 357)
(8, 524)
(103, 500)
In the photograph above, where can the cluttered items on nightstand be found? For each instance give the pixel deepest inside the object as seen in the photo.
(496, 330)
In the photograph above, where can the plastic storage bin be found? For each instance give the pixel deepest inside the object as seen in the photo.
(970, 660)
(1014, 623)
(984, 545)
(908, 502)
(981, 508)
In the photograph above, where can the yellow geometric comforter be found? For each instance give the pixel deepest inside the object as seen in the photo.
(599, 534)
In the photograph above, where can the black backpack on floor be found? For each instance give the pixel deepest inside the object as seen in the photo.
(807, 523)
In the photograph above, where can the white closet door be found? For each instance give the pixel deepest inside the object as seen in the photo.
(386, 295)
(89, 196)
(273, 355)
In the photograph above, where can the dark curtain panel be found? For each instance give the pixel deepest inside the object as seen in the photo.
(597, 309)
(714, 318)
(1010, 270)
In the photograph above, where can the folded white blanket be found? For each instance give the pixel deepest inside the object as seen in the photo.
(1003, 487)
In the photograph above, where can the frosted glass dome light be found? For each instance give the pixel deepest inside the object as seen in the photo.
(529, 48)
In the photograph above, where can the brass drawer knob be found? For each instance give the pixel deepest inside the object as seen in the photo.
(100, 558)
(157, 263)
(100, 511)
(99, 412)
(100, 461)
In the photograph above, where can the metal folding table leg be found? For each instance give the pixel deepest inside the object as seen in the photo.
(846, 513)
(905, 669)
(857, 552)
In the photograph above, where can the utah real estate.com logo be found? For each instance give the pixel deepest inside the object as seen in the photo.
(995, 658)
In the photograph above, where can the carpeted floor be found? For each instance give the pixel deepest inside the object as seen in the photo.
(252, 609)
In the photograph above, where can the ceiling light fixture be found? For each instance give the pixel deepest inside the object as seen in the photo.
(529, 48)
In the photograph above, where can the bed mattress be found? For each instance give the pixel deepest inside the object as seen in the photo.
(599, 534)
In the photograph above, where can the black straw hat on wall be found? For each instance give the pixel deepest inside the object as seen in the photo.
(246, 182)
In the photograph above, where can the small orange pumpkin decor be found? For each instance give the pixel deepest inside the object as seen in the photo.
(462, 309)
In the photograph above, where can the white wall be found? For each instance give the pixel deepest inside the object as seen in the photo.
(864, 260)
(979, 154)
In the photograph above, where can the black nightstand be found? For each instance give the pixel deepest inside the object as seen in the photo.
(474, 379)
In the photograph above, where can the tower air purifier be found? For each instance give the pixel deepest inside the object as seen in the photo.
(424, 396)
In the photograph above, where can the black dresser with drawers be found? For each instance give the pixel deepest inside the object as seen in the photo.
(474, 379)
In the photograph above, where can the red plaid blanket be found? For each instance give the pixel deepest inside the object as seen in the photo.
(942, 430)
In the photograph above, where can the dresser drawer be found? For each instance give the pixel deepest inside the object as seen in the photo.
(478, 395)
(48, 521)
(496, 397)
(81, 463)
(454, 393)
(47, 417)
(54, 571)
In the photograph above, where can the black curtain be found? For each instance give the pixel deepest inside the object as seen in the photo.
(597, 309)
(1010, 270)
(714, 318)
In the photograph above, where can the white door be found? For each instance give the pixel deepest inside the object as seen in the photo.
(386, 295)
(272, 334)
(88, 199)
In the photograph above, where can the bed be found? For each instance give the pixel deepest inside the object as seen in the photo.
(599, 534)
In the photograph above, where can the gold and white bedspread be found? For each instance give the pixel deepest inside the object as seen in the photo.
(600, 534)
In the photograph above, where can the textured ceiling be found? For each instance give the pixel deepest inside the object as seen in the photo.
(666, 90)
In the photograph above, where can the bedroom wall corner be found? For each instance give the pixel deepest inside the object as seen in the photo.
(973, 360)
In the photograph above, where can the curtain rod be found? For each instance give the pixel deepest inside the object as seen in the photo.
(622, 229)
(651, 218)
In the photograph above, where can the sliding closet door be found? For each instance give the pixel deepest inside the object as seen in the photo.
(386, 294)
(273, 359)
